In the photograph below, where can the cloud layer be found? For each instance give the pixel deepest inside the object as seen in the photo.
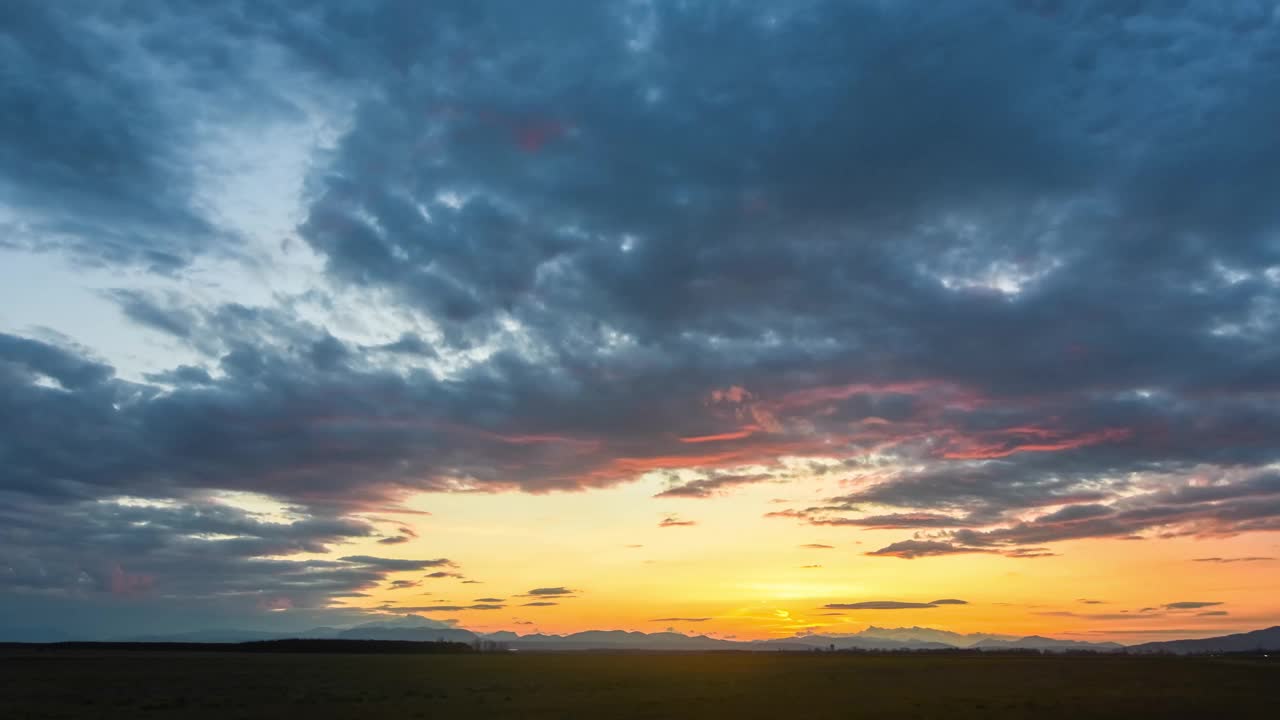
(1009, 271)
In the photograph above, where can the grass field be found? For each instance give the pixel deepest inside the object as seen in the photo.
(37, 684)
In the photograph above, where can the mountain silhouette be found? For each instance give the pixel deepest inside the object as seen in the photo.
(1267, 639)
(417, 628)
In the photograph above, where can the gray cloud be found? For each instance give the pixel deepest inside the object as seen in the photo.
(890, 605)
(712, 486)
(549, 591)
(676, 521)
(396, 564)
(911, 549)
(442, 608)
(975, 241)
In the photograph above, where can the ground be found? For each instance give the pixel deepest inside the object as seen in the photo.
(44, 684)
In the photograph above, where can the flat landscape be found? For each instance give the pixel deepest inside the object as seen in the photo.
(139, 684)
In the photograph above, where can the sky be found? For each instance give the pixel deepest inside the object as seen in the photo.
(736, 318)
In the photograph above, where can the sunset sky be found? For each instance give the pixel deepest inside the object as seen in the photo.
(743, 319)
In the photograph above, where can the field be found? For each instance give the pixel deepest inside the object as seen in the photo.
(128, 684)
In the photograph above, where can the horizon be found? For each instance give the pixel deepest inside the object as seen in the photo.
(900, 634)
(710, 318)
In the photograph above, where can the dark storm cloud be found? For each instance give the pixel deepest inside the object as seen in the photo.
(99, 125)
(791, 198)
(1015, 250)
(150, 565)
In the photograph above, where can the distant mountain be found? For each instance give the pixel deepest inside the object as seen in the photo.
(225, 636)
(404, 621)
(417, 628)
(1268, 639)
(407, 627)
(429, 634)
(1036, 642)
(845, 642)
(613, 640)
(930, 635)
(32, 634)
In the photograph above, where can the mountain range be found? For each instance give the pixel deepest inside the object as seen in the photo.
(1268, 639)
(413, 627)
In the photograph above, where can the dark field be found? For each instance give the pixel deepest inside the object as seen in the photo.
(43, 684)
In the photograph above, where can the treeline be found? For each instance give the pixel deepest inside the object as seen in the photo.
(392, 647)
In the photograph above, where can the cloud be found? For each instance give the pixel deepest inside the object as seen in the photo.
(396, 564)
(817, 546)
(868, 241)
(1190, 605)
(675, 521)
(406, 534)
(107, 114)
(1234, 559)
(550, 591)
(442, 608)
(681, 619)
(711, 486)
(890, 605)
(442, 574)
(539, 604)
(488, 600)
(809, 567)
(911, 549)
(1144, 614)
(1212, 613)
